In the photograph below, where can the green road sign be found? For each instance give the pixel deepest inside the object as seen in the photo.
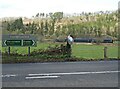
(12, 42)
(28, 43)
(18, 40)
(19, 43)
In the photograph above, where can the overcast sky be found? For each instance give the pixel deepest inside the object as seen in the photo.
(28, 8)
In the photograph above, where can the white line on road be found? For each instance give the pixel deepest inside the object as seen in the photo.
(41, 77)
(73, 73)
(8, 75)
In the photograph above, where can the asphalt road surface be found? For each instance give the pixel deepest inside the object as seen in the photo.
(61, 74)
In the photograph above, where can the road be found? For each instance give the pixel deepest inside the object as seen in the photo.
(61, 74)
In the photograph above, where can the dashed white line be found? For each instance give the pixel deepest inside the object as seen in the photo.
(73, 73)
(8, 75)
(41, 77)
(56, 75)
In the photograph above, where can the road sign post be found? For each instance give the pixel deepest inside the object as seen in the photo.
(8, 50)
(28, 51)
(19, 41)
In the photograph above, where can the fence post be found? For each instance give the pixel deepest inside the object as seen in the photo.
(105, 53)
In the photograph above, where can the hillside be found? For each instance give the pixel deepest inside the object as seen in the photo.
(59, 25)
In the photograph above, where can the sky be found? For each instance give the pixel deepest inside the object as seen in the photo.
(28, 8)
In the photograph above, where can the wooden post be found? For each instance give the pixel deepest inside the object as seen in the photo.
(105, 53)
(8, 50)
(28, 51)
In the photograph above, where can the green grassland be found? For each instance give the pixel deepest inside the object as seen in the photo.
(78, 50)
(93, 51)
(24, 50)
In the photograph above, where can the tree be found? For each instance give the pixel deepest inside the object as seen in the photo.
(58, 15)
(19, 23)
(37, 15)
(42, 28)
(52, 28)
(5, 25)
(42, 15)
(46, 27)
(31, 28)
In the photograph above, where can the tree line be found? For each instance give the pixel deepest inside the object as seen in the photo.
(57, 26)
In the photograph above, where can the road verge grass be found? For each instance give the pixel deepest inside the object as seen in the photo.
(49, 53)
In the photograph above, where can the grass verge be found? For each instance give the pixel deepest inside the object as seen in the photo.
(80, 52)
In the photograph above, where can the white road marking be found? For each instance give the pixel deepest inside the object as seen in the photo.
(73, 73)
(8, 75)
(41, 77)
(56, 75)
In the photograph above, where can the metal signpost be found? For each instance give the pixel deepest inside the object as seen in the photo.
(18, 41)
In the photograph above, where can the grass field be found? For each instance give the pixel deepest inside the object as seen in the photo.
(93, 51)
(78, 50)
(24, 50)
